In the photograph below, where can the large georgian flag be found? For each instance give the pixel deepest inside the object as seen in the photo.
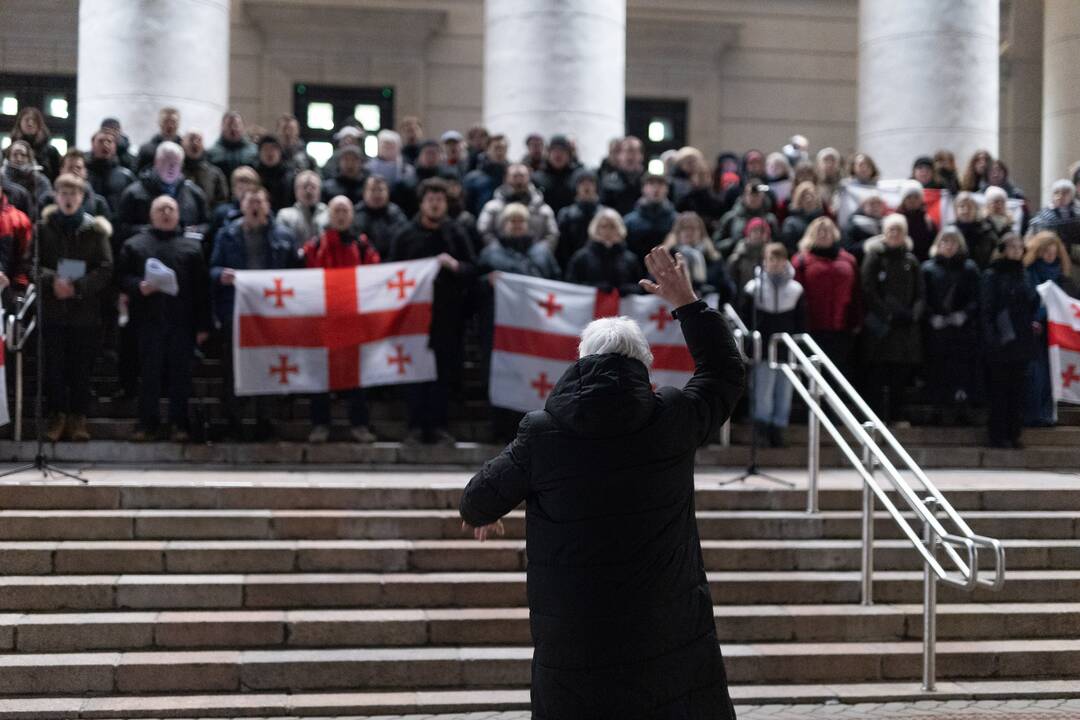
(538, 324)
(312, 331)
(1063, 338)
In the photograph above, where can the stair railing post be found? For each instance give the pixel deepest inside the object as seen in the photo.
(930, 578)
(868, 521)
(813, 445)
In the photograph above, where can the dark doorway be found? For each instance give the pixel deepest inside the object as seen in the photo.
(324, 109)
(661, 125)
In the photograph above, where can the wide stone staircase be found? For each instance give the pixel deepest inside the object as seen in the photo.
(233, 596)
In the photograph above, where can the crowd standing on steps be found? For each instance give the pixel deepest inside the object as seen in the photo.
(915, 312)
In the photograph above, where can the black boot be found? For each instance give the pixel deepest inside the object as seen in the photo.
(776, 437)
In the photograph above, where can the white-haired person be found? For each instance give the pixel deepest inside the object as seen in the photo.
(620, 607)
(1061, 215)
(892, 337)
(605, 262)
(389, 163)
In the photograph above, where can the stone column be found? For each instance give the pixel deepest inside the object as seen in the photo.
(928, 80)
(556, 66)
(1021, 93)
(1061, 91)
(137, 56)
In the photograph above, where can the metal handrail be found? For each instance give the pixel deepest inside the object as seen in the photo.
(961, 548)
(16, 332)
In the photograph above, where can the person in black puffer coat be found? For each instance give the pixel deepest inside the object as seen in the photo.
(1009, 307)
(620, 188)
(620, 608)
(556, 176)
(951, 281)
(979, 234)
(605, 262)
(651, 220)
(574, 219)
(376, 217)
(107, 176)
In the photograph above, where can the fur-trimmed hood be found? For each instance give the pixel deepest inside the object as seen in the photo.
(96, 223)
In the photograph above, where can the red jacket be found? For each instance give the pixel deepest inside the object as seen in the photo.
(328, 251)
(16, 233)
(832, 290)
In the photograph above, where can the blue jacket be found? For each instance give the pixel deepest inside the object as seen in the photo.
(282, 251)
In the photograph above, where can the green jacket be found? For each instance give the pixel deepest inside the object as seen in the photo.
(88, 241)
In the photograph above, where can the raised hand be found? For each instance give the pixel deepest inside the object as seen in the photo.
(484, 532)
(672, 281)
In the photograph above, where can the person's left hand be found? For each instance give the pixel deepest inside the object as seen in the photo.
(484, 532)
(63, 289)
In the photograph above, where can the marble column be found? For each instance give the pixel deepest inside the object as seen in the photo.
(928, 80)
(1021, 93)
(1061, 91)
(556, 66)
(137, 56)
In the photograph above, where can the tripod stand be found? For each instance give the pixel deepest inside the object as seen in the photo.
(752, 470)
(40, 462)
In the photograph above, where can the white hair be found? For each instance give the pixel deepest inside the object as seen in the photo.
(619, 335)
(390, 135)
(168, 149)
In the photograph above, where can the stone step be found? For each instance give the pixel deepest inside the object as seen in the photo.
(194, 524)
(270, 556)
(429, 492)
(316, 628)
(49, 593)
(292, 670)
(426, 702)
(472, 454)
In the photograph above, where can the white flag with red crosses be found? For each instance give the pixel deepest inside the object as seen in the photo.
(1063, 338)
(538, 324)
(313, 331)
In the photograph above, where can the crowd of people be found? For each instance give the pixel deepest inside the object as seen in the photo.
(899, 304)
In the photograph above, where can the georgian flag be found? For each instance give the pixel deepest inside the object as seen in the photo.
(538, 324)
(939, 203)
(1063, 338)
(314, 331)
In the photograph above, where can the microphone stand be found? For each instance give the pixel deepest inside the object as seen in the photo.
(41, 462)
(752, 470)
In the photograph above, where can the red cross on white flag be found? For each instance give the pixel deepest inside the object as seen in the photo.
(1063, 340)
(538, 324)
(310, 331)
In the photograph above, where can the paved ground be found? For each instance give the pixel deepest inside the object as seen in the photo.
(406, 476)
(922, 710)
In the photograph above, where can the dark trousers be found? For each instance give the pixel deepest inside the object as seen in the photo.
(164, 351)
(428, 406)
(838, 347)
(888, 386)
(70, 352)
(1005, 397)
(357, 403)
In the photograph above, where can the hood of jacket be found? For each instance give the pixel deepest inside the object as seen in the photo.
(603, 396)
(504, 192)
(97, 223)
(876, 245)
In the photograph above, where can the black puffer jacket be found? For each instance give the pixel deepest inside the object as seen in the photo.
(109, 179)
(620, 609)
(607, 268)
(135, 201)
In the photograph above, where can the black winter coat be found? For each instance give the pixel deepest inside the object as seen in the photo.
(981, 239)
(607, 268)
(574, 222)
(557, 186)
(1008, 307)
(620, 190)
(136, 199)
(190, 308)
(620, 608)
(109, 179)
(379, 224)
